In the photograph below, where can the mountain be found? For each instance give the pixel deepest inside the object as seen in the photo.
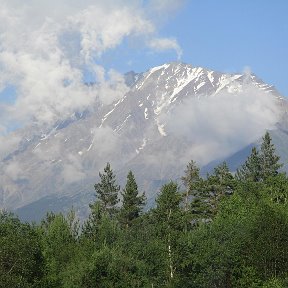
(171, 114)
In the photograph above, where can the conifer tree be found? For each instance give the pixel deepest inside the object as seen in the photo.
(217, 186)
(191, 180)
(251, 169)
(269, 161)
(107, 190)
(91, 226)
(222, 173)
(206, 199)
(132, 202)
(260, 165)
(223, 180)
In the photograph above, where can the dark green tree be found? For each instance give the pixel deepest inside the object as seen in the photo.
(269, 161)
(101, 226)
(59, 237)
(132, 202)
(260, 165)
(191, 180)
(277, 188)
(210, 191)
(21, 259)
(169, 218)
(251, 169)
(223, 174)
(92, 225)
(107, 191)
(218, 185)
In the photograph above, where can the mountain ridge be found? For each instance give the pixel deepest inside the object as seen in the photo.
(137, 132)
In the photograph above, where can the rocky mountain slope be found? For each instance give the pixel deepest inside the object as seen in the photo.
(171, 114)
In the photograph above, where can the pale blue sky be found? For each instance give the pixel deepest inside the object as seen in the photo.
(225, 35)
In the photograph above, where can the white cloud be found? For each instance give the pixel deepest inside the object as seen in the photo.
(14, 171)
(45, 45)
(164, 8)
(162, 44)
(72, 170)
(8, 144)
(112, 90)
(219, 126)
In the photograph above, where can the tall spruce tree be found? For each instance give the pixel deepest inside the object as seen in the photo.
(107, 191)
(269, 161)
(217, 186)
(260, 165)
(210, 191)
(223, 180)
(132, 201)
(91, 226)
(251, 169)
(191, 180)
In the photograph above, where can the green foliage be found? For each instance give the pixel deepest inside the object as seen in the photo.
(132, 202)
(59, 235)
(107, 190)
(260, 165)
(21, 260)
(239, 237)
(191, 181)
(170, 222)
(92, 225)
(268, 159)
(251, 169)
(101, 229)
(209, 194)
(274, 283)
(277, 188)
(218, 185)
(101, 225)
(167, 211)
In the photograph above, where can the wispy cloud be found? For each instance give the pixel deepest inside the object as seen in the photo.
(46, 45)
(162, 44)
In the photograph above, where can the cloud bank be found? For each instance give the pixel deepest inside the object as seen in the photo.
(46, 47)
(220, 125)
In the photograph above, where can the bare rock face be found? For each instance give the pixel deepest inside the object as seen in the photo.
(171, 114)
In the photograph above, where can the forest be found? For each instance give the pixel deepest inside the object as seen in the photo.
(223, 230)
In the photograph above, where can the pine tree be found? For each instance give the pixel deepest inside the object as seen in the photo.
(251, 169)
(260, 165)
(107, 190)
(191, 181)
(217, 186)
(132, 202)
(269, 161)
(223, 179)
(223, 173)
(91, 226)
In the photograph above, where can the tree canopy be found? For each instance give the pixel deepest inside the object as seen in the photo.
(218, 231)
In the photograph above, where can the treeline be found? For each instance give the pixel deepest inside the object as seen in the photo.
(223, 230)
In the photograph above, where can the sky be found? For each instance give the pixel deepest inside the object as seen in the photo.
(49, 48)
(224, 35)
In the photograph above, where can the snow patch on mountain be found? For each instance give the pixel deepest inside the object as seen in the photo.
(146, 113)
(161, 128)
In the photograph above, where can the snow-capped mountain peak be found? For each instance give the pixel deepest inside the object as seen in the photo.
(171, 113)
